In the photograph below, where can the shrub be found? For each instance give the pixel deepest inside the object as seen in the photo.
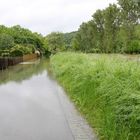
(134, 47)
(31, 47)
(20, 50)
(95, 50)
(6, 41)
(5, 53)
(54, 42)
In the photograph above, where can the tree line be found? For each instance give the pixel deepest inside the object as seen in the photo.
(57, 41)
(115, 29)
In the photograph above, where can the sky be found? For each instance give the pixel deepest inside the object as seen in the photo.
(46, 16)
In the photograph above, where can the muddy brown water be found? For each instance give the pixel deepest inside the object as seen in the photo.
(29, 105)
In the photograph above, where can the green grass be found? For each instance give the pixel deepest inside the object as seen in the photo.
(106, 90)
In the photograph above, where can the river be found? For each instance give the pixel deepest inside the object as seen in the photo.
(30, 105)
(34, 107)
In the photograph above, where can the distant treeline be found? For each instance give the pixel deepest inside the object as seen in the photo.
(57, 41)
(115, 29)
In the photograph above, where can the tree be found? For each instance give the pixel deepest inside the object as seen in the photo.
(6, 41)
(76, 42)
(130, 14)
(24, 36)
(68, 37)
(112, 30)
(17, 35)
(54, 42)
(19, 50)
(99, 21)
(111, 27)
(85, 39)
(130, 11)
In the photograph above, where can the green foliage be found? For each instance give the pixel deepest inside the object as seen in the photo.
(31, 48)
(106, 89)
(130, 12)
(111, 30)
(4, 53)
(54, 42)
(75, 43)
(134, 47)
(20, 50)
(6, 41)
(22, 35)
(111, 27)
(68, 37)
(26, 41)
(25, 36)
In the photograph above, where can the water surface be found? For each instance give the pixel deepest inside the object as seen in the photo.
(30, 108)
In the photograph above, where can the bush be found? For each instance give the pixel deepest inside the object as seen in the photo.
(95, 50)
(20, 50)
(5, 53)
(6, 41)
(105, 89)
(134, 47)
(54, 42)
(16, 53)
(31, 48)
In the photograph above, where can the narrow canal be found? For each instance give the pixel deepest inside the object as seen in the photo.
(30, 107)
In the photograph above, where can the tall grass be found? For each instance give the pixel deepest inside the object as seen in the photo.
(105, 89)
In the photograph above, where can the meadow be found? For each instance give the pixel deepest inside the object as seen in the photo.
(105, 89)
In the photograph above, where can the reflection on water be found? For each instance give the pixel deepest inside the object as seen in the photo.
(30, 107)
(23, 71)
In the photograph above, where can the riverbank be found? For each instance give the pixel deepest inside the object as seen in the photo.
(5, 62)
(105, 89)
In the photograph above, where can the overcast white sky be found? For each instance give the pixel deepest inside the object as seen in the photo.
(45, 16)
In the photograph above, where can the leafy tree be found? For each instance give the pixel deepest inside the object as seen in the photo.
(112, 30)
(85, 39)
(99, 21)
(111, 27)
(19, 50)
(25, 36)
(6, 41)
(76, 42)
(68, 37)
(130, 12)
(130, 16)
(54, 42)
(20, 36)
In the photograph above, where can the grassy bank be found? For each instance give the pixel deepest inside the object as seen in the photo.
(106, 90)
